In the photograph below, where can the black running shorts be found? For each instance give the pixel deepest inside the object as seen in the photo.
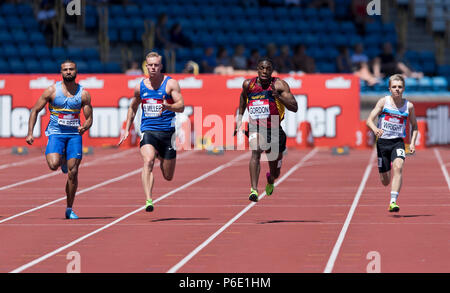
(161, 141)
(270, 137)
(387, 151)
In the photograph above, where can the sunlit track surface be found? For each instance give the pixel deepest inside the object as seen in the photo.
(294, 230)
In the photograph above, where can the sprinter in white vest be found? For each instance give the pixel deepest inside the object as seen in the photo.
(393, 112)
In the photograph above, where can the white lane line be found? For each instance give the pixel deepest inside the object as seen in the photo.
(106, 182)
(184, 186)
(176, 267)
(443, 168)
(340, 240)
(20, 163)
(54, 173)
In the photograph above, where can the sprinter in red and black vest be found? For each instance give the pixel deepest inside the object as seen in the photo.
(265, 97)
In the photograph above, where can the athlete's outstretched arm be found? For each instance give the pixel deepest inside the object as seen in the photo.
(87, 111)
(283, 93)
(174, 90)
(413, 121)
(40, 104)
(242, 106)
(132, 109)
(374, 114)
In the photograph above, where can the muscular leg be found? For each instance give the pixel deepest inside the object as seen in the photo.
(385, 178)
(397, 168)
(255, 168)
(168, 168)
(72, 180)
(148, 154)
(275, 168)
(53, 161)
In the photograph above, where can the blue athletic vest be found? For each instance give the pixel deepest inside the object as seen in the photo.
(64, 112)
(151, 101)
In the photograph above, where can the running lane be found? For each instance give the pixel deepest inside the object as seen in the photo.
(414, 240)
(30, 186)
(42, 231)
(293, 230)
(154, 242)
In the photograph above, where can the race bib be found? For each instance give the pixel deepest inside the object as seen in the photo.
(70, 120)
(152, 107)
(259, 109)
(393, 125)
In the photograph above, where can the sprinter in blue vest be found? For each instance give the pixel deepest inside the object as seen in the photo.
(159, 97)
(64, 148)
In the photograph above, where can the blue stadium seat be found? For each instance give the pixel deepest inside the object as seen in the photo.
(37, 39)
(96, 66)
(25, 9)
(82, 67)
(13, 22)
(90, 54)
(112, 67)
(347, 27)
(389, 28)
(311, 13)
(373, 28)
(132, 10)
(439, 83)
(115, 10)
(90, 21)
(326, 67)
(138, 34)
(331, 53)
(17, 65)
(26, 51)
(10, 50)
(318, 27)
(5, 37)
(122, 22)
(126, 35)
(444, 70)
(4, 66)
(49, 66)
(113, 35)
(9, 9)
(325, 13)
(30, 24)
(19, 37)
(58, 53)
(426, 56)
(74, 53)
(411, 56)
(425, 83)
(32, 66)
(411, 84)
(429, 67)
(137, 23)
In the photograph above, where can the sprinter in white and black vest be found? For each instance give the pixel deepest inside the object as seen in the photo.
(393, 112)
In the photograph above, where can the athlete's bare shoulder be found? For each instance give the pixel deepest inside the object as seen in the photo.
(50, 92)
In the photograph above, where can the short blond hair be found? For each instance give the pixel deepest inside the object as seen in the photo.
(153, 54)
(397, 77)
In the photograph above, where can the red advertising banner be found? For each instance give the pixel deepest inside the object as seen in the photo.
(436, 115)
(330, 103)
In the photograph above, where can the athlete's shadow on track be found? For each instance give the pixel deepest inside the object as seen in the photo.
(288, 221)
(179, 219)
(410, 216)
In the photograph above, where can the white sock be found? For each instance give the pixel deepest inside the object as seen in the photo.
(394, 196)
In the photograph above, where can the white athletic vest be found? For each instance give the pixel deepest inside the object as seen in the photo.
(392, 120)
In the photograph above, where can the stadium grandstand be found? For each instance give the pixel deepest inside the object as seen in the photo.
(108, 36)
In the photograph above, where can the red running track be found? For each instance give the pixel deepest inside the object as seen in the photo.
(295, 230)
